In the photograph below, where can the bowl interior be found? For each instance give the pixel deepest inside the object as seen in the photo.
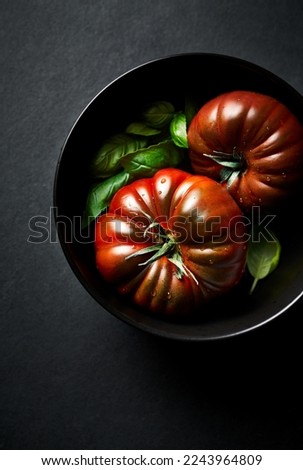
(200, 76)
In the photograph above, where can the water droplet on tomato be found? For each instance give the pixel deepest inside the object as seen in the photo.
(283, 174)
(159, 192)
(268, 178)
(154, 293)
(168, 295)
(163, 180)
(241, 199)
(260, 199)
(211, 261)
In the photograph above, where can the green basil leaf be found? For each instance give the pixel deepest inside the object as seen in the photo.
(263, 257)
(107, 160)
(158, 114)
(145, 162)
(101, 194)
(178, 130)
(139, 128)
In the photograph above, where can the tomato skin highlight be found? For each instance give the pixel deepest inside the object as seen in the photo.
(199, 223)
(263, 131)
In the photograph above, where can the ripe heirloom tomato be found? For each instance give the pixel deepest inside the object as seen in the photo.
(250, 142)
(171, 242)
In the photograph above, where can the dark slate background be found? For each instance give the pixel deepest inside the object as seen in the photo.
(71, 375)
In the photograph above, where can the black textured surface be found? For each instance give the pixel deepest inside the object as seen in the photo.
(71, 375)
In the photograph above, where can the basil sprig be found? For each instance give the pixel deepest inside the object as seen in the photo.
(145, 162)
(156, 140)
(263, 256)
(141, 164)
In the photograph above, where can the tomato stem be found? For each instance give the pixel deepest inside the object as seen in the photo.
(167, 248)
(233, 164)
(176, 259)
(234, 160)
(159, 234)
(163, 250)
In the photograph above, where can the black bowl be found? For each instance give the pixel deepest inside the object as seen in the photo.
(171, 78)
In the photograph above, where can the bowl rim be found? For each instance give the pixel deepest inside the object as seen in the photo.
(72, 262)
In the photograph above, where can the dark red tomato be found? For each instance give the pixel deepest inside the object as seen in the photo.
(250, 142)
(171, 242)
